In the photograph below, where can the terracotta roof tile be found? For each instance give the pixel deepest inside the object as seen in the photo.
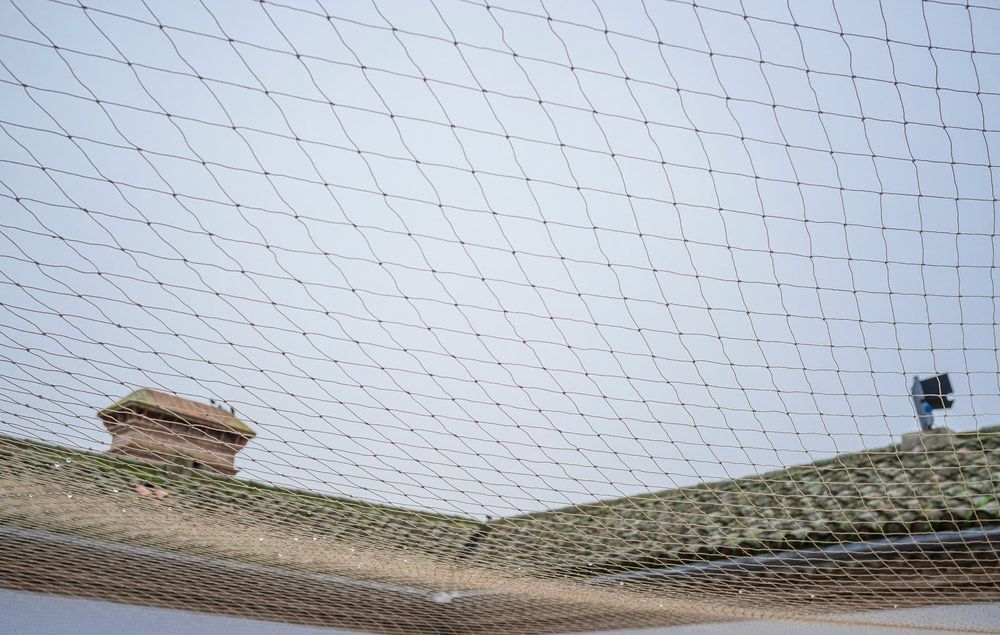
(192, 411)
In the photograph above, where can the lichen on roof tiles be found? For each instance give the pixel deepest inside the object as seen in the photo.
(105, 476)
(851, 497)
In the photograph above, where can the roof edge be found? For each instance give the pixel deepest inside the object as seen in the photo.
(150, 399)
(770, 474)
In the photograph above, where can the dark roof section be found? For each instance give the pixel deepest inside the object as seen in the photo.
(853, 497)
(149, 400)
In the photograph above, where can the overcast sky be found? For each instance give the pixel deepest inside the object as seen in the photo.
(493, 259)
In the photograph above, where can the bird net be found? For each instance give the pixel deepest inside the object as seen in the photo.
(517, 316)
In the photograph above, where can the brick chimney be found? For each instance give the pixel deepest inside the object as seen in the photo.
(155, 426)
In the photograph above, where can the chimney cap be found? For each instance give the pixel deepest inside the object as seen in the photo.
(192, 412)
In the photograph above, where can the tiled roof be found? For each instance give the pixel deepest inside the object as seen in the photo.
(852, 497)
(76, 521)
(107, 476)
(185, 409)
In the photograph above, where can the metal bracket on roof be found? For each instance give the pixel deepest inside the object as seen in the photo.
(930, 395)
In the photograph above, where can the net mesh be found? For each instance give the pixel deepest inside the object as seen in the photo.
(516, 316)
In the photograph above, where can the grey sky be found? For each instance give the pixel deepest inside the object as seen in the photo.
(482, 261)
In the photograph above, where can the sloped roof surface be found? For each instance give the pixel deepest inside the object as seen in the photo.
(110, 475)
(185, 409)
(852, 497)
(876, 493)
(470, 576)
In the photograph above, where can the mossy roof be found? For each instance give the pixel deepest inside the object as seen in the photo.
(852, 497)
(148, 399)
(101, 474)
(875, 493)
(50, 491)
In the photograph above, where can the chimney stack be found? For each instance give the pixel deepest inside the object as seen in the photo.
(155, 426)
